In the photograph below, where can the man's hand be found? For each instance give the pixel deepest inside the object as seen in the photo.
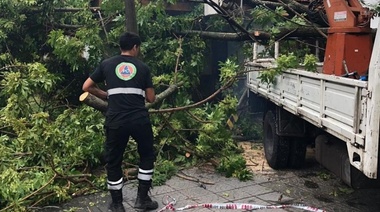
(90, 86)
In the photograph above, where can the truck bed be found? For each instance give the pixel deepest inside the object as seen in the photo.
(335, 104)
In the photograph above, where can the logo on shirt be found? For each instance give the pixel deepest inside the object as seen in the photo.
(126, 71)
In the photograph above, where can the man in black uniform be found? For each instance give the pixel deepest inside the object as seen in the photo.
(129, 84)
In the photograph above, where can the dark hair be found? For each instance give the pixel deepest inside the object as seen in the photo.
(128, 40)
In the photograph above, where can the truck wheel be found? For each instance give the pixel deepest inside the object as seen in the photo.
(276, 148)
(297, 153)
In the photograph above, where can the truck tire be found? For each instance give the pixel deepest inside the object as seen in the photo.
(276, 148)
(297, 153)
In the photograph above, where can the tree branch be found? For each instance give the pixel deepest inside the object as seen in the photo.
(101, 105)
(273, 4)
(63, 10)
(285, 33)
(227, 85)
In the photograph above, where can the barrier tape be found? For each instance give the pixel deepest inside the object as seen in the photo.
(169, 205)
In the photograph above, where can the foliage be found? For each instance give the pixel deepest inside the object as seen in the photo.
(268, 76)
(234, 166)
(227, 71)
(163, 171)
(51, 145)
(310, 63)
(271, 20)
(247, 127)
(40, 140)
(285, 62)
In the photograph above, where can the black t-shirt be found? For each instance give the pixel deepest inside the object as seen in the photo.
(126, 79)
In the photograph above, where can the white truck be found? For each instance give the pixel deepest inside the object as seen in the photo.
(339, 115)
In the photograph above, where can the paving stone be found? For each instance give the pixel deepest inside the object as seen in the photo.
(234, 194)
(212, 198)
(255, 190)
(315, 200)
(257, 178)
(262, 190)
(218, 187)
(236, 183)
(83, 204)
(297, 192)
(275, 198)
(179, 183)
(163, 189)
(99, 201)
(197, 192)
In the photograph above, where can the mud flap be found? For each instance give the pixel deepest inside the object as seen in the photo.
(297, 153)
(332, 154)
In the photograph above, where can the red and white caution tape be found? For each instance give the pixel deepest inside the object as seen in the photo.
(237, 206)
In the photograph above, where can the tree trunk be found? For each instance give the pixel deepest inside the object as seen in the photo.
(130, 16)
(285, 33)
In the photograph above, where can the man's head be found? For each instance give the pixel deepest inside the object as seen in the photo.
(128, 41)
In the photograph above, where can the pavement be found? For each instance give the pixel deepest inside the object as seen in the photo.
(312, 186)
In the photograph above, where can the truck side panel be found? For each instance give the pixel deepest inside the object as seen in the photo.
(334, 104)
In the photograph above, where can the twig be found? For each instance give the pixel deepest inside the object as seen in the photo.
(22, 154)
(179, 49)
(103, 25)
(29, 168)
(77, 175)
(196, 118)
(40, 200)
(286, 35)
(12, 66)
(8, 133)
(254, 163)
(130, 164)
(193, 179)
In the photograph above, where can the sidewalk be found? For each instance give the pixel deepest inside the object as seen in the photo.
(283, 187)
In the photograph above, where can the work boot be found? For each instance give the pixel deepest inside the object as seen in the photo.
(117, 201)
(143, 201)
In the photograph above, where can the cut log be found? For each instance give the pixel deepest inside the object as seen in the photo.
(93, 101)
(101, 105)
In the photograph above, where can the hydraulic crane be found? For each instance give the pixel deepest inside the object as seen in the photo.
(349, 41)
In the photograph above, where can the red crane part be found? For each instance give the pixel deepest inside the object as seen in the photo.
(349, 40)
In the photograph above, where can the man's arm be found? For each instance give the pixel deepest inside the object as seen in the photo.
(90, 86)
(150, 95)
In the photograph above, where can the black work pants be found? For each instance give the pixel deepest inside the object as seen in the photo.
(116, 142)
